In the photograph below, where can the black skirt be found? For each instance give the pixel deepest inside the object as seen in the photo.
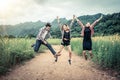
(65, 43)
(87, 44)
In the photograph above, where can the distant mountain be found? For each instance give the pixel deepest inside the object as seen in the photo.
(110, 24)
(22, 29)
(62, 21)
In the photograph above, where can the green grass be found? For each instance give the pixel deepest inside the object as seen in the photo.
(54, 41)
(105, 49)
(14, 51)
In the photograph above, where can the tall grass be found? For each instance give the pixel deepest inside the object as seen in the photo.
(14, 51)
(105, 49)
(54, 41)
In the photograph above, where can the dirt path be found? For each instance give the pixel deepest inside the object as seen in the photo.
(43, 67)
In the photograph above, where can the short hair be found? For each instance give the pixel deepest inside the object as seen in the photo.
(48, 24)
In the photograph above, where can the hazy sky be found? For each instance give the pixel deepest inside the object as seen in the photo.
(16, 11)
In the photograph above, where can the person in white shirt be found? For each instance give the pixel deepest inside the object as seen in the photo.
(44, 33)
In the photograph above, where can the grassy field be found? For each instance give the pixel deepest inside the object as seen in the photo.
(105, 49)
(14, 51)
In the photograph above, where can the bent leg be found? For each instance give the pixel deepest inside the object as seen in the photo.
(61, 48)
(84, 54)
(70, 52)
(91, 55)
(37, 45)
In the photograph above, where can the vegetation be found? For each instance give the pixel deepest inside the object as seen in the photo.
(105, 49)
(110, 24)
(16, 40)
(14, 51)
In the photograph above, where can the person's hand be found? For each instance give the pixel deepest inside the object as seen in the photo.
(65, 39)
(45, 42)
(100, 18)
(74, 16)
(57, 17)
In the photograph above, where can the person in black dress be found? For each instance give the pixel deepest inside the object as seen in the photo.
(65, 31)
(87, 32)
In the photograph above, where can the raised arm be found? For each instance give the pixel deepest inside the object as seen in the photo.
(72, 21)
(95, 22)
(79, 22)
(58, 21)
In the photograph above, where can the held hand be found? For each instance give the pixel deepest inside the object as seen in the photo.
(74, 16)
(57, 17)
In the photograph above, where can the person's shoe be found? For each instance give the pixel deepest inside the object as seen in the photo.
(85, 57)
(58, 54)
(32, 45)
(69, 61)
(56, 58)
(91, 55)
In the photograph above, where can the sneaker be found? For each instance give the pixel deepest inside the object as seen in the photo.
(32, 45)
(69, 61)
(56, 58)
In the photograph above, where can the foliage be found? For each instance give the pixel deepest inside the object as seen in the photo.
(109, 25)
(105, 49)
(14, 51)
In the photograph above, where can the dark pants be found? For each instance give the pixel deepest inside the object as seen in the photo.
(38, 44)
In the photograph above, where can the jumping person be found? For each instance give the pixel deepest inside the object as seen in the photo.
(87, 32)
(44, 33)
(65, 31)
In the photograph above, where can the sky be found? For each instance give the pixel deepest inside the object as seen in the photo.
(19, 11)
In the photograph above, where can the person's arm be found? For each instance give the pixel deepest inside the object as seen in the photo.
(72, 21)
(40, 35)
(59, 24)
(79, 22)
(95, 22)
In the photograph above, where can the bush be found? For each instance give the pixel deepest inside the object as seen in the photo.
(14, 51)
(105, 49)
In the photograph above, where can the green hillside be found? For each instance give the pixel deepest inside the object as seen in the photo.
(109, 25)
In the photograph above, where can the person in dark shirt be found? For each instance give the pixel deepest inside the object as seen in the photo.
(65, 31)
(87, 32)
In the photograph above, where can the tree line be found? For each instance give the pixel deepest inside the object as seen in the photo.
(109, 25)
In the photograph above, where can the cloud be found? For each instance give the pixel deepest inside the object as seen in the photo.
(46, 10)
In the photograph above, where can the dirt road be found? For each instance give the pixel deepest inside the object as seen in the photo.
(43, 67)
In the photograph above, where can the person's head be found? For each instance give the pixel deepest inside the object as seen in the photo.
(48, 26)
(87, 24)
(65, 27)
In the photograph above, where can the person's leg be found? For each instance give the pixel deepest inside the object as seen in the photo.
(52, 51)
(70, 52)
(50, 48)
(61, 48)
(91, 55)
(37, 45)
(84, 54)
